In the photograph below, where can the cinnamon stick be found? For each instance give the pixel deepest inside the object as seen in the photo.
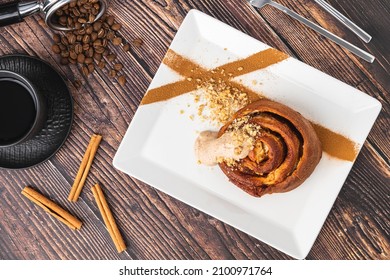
(84, 167)
(108, 218)
(52, 208)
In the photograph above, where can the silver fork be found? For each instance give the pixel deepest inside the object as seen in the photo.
(344, 20)
(352, 48)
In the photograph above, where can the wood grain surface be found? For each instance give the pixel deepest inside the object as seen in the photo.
(155, 225)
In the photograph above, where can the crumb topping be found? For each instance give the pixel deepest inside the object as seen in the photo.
(243, 134)
(218, 100)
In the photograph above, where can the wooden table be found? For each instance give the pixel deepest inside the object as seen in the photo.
(155, 225)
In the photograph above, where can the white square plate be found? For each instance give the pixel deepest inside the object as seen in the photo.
(158, 145)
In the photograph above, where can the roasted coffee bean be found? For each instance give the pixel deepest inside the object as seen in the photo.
(110, 20)
(110, 35)
(56, 49)
(77, 25)
(70, 22)
(89, 30)
(137, 42)
(106, 25)
(97, 43)
(56, 38)
(83, 10)
(78, 48)
(65, 53)
(85, 70)
(76, 12)
(77, 84)
(88, 60)
(73, 55)
(101, 33)
(94, 36)
(71, 38)
(99, 49)
(97, 26)
(91, 18)
(122, 80)
(81, 31)
(62, 46)
(94, 11)
(112, 73)
(101, 64)
(86, 39)
(116, 26)
(62, 20)
(80, 58)
(72, 61)
(89, 52)
(91, 68)
(111, 57)
(95, 7)
(81, 20)
(126, 47)
(117, 41)
(118, 67)
(85, 47)
(97, 56)
(64, 41)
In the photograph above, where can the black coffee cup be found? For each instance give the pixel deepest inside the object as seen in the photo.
(22, 109)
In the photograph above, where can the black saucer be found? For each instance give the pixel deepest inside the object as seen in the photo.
(59, 113)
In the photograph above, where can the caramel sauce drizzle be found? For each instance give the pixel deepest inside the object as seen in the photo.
(333, 143)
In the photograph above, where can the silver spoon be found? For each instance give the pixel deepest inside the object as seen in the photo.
(344, 20)
(352, 48)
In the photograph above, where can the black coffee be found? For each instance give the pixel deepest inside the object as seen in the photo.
(17, 111)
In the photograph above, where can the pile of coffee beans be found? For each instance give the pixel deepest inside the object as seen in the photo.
(90, 44)
(76, 13)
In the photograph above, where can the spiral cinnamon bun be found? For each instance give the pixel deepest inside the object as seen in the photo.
(285, 149)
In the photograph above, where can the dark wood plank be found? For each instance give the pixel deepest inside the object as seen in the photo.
(359, 218)
(43, 236)
(155, 225)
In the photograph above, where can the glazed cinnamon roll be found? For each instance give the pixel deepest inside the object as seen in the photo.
(285, 149)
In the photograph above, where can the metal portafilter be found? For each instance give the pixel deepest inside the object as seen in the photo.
(15, 12)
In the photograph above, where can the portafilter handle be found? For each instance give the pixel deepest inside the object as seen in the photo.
(15, 12)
